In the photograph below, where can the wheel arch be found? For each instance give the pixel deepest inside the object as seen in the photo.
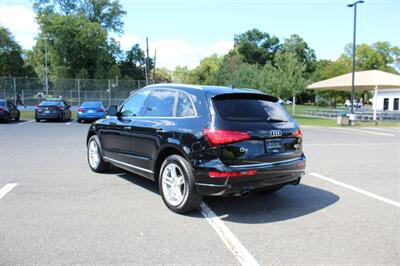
(91, 133)
(163, 153)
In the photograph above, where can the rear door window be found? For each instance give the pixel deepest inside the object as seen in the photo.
(161, 103)
(250, 110)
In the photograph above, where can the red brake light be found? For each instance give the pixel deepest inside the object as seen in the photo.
(297, 134)
(1, 109)
(59, 107)
(231, 174)
(219, 136)
(100, 110)
(81, 110)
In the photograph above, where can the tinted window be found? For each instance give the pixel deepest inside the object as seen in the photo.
(2, 103)
(92, 104)
(134, 105)
(250, 110)
(184, 106)
(51, 103)
(161, 103)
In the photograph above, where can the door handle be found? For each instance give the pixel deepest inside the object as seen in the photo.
(127, 128)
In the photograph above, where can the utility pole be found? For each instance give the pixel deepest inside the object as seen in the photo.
(147, 62)
(46, 71)
(154, 69)
(353, 55)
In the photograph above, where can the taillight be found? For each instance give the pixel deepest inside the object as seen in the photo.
(219, 136)
(59, 107)
(1, 109)
(81, 110)
(100, 110)
(297, 134)
(231, 174)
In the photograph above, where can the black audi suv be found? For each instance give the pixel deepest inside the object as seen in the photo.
(197, 141)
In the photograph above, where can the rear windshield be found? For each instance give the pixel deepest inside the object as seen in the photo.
(92, 105)
(50, 103)
(2, 103)
(250, 110)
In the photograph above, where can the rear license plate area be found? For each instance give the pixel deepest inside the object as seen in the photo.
(273, 145)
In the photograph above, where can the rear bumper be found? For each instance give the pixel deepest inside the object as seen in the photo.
(47, 116)
(90, 116)
(268, 175)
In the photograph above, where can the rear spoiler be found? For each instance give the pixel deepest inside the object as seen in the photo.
(255, 96)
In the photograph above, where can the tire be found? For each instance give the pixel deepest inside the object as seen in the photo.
(96, 162)
(177, 185)
(37, 120)
(17, 118)
(79, 121)
(7, 119)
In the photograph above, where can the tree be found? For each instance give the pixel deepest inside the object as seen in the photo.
(206, 71)
(106, 13)
(380, 55)
(73, 43)
(133, 63)
(234, 72)
(182, 75)
(297, 46)
(163, 74)
(12, 62)
(256, 47)
(286, 78)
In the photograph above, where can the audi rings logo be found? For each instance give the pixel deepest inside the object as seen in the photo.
(275, 133)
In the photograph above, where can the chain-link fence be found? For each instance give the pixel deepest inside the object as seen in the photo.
(31, 91)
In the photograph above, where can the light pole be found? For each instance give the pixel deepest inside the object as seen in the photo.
(46, 71)
(354, 52)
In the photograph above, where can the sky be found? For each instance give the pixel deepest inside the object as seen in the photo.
(185, 31)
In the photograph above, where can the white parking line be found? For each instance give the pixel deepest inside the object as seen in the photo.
(348, 130)
(351, 144)
(230, 240)
(7, 188)
(70, 122)
(359, 190)
(26, 122)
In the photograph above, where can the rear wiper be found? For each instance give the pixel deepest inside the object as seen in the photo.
(275, 120)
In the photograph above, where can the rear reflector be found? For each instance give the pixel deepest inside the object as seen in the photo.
(219, 136)
(231, 174)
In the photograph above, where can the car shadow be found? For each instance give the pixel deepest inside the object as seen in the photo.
(288, 203)
(13, 121)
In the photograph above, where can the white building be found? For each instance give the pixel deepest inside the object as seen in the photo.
(387, 99)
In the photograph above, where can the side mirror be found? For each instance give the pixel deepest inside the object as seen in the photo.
(112, 110)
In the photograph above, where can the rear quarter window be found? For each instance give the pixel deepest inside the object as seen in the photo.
(250, 110)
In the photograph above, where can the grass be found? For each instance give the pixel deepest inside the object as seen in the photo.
(29, 115)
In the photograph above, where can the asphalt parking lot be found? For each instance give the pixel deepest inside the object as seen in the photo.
(54, 210)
